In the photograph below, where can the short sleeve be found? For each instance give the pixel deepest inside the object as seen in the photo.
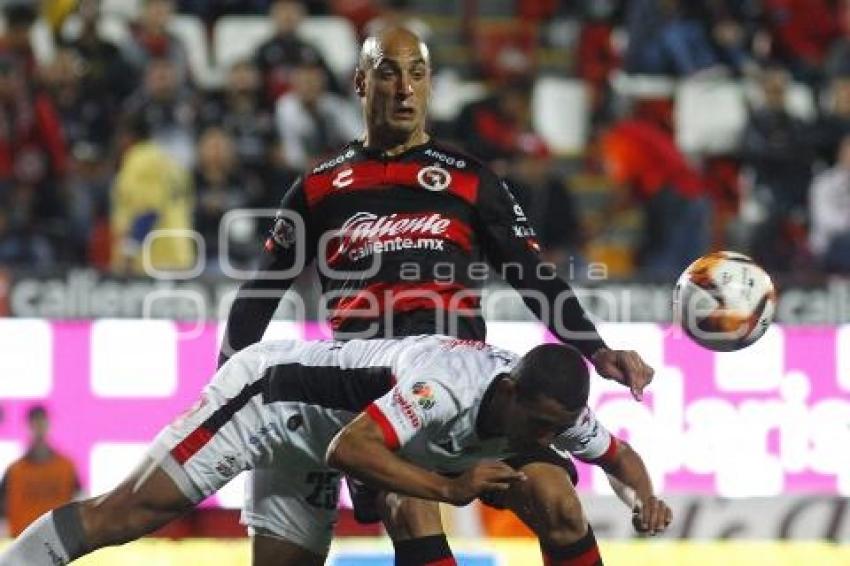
(588, 440)
(411, 408)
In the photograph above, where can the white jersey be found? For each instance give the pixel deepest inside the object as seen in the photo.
(276, 406)
(430, 415)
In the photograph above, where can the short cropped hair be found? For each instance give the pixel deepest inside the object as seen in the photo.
(36, 412)
(556, 371)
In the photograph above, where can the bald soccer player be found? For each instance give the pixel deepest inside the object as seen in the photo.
(400, 226)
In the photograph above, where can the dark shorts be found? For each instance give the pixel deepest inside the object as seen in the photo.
(363, 496)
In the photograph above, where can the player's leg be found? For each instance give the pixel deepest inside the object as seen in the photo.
(547, 502)
(144, 502)
(416, 529)
(270, 550)
(290, 511)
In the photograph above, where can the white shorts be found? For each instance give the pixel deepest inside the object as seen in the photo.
(292, 494)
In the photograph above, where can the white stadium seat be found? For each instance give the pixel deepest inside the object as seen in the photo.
(800, 101)
(126, 9)
(335, 38)
(237, 37)
(560, 113)
(41, 39)
(450, 95)
(710, 115)
(191, 32)
(112, 28)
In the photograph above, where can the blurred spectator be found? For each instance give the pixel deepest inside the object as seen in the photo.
(55, 12)
(41, 480)
(838, 58)
(153, 40)
(151, 192)
(278, 57)
(312, 121)
(87, 119)
(168, 107)
(802, 33)
(221, 186)
(107, 72)
(20, 15)
(648, 168)
(776, 147)
(732, 25)
(834, 124)
(499, 126)
(664, 40)
(829, 200)
(596, 57)
(20, 244)
(241, 110)
(33, 155)
(211, 10)
(88, 124)
(498, 129)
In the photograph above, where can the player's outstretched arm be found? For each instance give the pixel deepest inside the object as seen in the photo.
(510, 240)
(359, 450)
(631, 482)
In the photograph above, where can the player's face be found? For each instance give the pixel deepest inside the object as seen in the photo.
(538, 422)
(395, 90)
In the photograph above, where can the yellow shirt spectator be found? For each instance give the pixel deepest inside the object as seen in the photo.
(152, 199)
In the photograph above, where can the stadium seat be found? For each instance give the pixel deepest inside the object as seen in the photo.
(450, 95)
(710, 115)
(560, 113)
(190, 30)
(112, 28)
(41, 39)
(800, 100)
(336, 39)
(238, 37)
(127, 9)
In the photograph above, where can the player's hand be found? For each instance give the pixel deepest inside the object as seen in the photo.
(625, 367)
(651, 517)
(484, 476)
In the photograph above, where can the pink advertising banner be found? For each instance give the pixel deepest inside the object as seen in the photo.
(772, 419)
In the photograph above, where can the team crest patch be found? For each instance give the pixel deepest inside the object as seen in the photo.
(434, 178)
(424, 395)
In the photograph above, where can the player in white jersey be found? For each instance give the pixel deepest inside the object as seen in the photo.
(388, 412)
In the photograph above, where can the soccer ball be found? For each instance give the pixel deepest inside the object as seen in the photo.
(724, 301)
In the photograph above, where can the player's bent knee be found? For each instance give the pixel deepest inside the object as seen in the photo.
(555, 511)
(409, 517)
(562, 525)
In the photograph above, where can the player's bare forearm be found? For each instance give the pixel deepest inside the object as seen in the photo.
(630, 480)
(627, 467)
(359, 450)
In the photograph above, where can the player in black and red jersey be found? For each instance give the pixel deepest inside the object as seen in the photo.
(387, 219)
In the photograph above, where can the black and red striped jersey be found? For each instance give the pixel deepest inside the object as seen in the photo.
(403, 245)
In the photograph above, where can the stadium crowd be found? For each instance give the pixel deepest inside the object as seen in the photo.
(103, 140)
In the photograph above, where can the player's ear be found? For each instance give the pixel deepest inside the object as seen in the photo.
(360, 82)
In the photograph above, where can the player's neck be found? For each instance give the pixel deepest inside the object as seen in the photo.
(390, 145)
(490, 422)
